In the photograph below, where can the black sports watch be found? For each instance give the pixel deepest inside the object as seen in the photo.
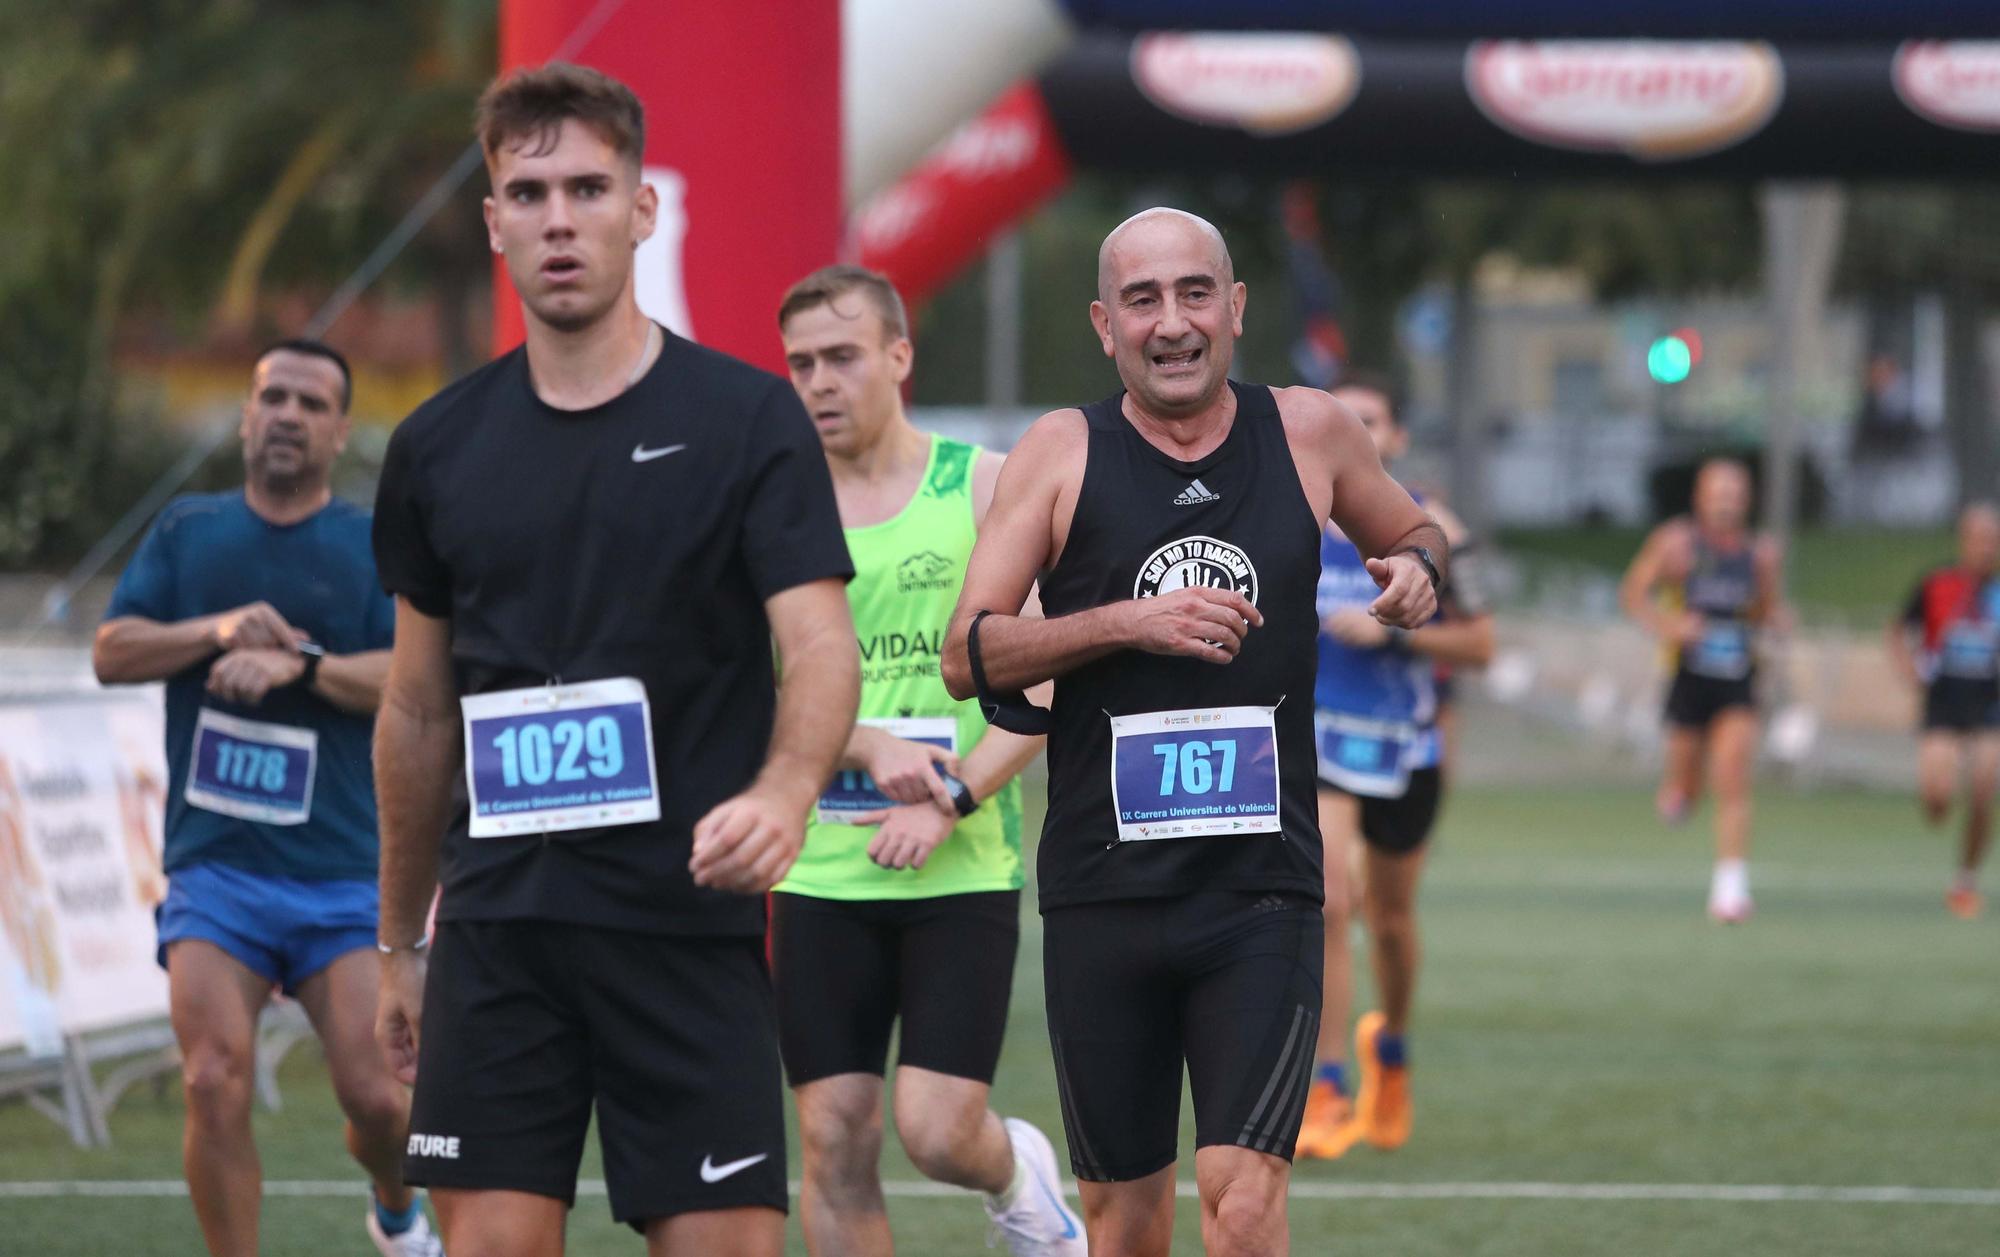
(1423, 556)
(961, 794)
(311, 654)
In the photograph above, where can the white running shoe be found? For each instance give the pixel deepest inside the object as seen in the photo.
(1729, 900)
(1040, 1222)
(418, 1241)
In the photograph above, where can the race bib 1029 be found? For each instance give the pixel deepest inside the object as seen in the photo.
(559, 757)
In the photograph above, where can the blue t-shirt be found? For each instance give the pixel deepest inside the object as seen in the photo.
(1385, 683)
(208, 553)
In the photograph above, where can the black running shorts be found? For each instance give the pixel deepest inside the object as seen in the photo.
(528, 1024)
(846, 970)
(1227, 981)
(1694, 701)
(1401, 825)
(1961, 705)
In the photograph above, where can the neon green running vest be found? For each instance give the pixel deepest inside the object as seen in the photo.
(908, 571)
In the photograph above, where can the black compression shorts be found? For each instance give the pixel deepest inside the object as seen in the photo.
(528, 1024)
(1961, 705)
(1227, 981)
(846, 970)
(1400, 826)
(1694, 701)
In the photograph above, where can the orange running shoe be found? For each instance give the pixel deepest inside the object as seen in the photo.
(1329, 1115)
(1964, 902)
(1382, 1109)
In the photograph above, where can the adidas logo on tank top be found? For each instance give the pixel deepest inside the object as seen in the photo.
(1196, 493)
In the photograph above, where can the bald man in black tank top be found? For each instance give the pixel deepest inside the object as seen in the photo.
(1175, 530)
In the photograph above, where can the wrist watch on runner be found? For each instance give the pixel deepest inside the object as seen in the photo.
(311, 654)
(961, 795)
(1422, 555)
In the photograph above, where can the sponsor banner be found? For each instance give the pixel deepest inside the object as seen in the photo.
(1550, 109)
(1263, 84)
(1471, 19)
(82, 801)
(1954, 84)
(1651, 100)
(750, 194)
(986, 176)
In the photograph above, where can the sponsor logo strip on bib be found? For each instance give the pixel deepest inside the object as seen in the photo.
(252, 769)
(853, 793)
(1188, 774)
(560, 757)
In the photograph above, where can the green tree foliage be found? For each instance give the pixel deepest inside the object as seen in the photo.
(170, 161)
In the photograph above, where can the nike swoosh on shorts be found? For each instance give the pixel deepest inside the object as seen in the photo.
(713, 1173)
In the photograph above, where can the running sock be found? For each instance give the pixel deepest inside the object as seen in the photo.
(1732, 877)
(397, 1221)
(1004, 1199)
(1965, 880)
(1391, 1051)
(1333, 1074)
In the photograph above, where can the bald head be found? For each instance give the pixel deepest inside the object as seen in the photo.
(1135, 238)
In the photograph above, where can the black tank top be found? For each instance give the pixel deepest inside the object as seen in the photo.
(1146, 524)
(1722, 586)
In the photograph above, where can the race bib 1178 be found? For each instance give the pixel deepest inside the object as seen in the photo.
(252, 769)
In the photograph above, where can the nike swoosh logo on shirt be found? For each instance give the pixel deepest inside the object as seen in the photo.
(713, 1173)
(640, 454)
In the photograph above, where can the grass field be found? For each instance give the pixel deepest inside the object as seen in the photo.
(1580, 1024)
(1851, 577)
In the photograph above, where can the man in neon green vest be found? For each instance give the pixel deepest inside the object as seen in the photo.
(905, 901)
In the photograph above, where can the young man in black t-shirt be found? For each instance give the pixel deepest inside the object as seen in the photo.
(1175, 528)
(593, 542)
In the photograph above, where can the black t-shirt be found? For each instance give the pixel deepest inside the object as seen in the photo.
(638, 538)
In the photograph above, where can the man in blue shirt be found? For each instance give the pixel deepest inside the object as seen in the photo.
(261, 611)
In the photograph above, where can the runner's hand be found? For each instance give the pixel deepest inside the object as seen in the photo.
(399, 1012)
(1354, 627)
(1198, 622)
(245, 676)
(746, 844)
(254, 626)
(903, 770)
(1407, 600)
(909, 835)
(1687, 628)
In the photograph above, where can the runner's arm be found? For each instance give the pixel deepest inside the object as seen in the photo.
(1772, 611)
(1902, 630)
(130, 649)
(1378, 515)
(1000, 756)
(1467, 642)
(747, 843)
(818, 691)
(418, 749)
(1647, 570)
(353, 682)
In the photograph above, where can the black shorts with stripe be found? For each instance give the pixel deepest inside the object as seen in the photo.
(1226, 981)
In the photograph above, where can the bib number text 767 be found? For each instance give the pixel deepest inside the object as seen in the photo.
(1189, 768)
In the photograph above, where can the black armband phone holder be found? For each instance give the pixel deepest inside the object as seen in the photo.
(1010, 710)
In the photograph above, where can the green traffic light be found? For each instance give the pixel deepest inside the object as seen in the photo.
(1669, 360)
